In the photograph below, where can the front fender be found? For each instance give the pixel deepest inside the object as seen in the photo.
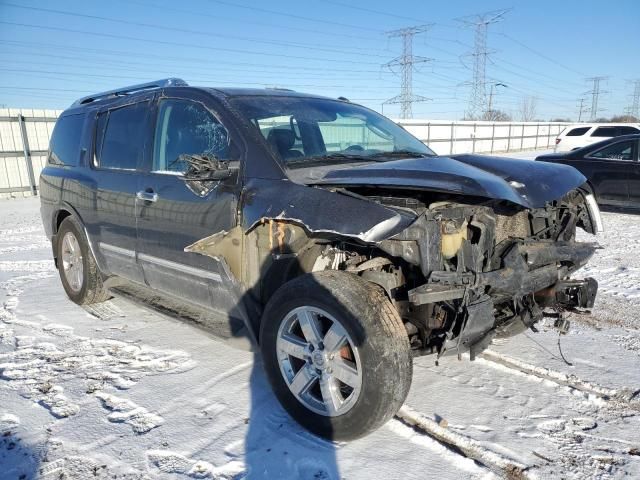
(320, 211)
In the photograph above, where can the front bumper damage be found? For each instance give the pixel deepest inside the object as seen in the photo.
(493, 275)
(529, 269)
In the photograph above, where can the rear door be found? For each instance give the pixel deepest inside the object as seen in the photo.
(119, 149)
(174, 214)
(610, 169)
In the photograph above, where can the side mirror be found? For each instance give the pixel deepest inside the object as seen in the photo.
(203, 171)
(205, 168)
(209, 176)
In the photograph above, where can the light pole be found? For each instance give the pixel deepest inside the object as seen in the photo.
(491, 94)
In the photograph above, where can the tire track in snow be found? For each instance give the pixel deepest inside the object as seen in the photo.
(463, 445)
(623, 397)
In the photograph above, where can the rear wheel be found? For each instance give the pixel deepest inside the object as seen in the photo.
(336, 353)
(78, 271)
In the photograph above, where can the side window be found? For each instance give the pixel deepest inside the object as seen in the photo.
(120, 137)
(186, 128)
(627, 130)
(605, 132)
(617, 151)
(353, 134)
(64, 147)
(577, 132)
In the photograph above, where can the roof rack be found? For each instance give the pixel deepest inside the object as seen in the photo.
(165, 82)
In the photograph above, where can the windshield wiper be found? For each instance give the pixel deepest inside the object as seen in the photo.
(403, 153)
(327, 158)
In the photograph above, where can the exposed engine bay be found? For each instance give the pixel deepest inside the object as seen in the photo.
(464, 273)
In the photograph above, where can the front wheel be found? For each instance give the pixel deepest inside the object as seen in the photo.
(336, 354)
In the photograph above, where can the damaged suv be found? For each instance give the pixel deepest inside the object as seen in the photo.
(321, 230)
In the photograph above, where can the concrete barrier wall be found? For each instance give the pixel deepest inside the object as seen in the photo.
(20, 167)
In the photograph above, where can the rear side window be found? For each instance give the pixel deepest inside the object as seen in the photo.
(64, 147)
(120, 137)
(577, 132)
(605, 132)
(627, 130)
(617, 151)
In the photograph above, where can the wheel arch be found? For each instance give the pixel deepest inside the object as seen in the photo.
(64, 211)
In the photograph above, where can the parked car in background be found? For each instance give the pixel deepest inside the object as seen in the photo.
(612, 168)
(582, 134)
(319, 228)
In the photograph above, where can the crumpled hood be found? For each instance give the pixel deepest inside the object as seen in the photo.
(524, 182)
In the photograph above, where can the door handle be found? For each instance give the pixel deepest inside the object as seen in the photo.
(147, 196)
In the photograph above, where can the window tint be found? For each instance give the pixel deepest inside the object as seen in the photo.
(186, 127)
(353, 133)
(306, 130)
(577, 132)
(617, 151)
(64, 147)
(605, 132)
(280, 130)
(627, 130)
(120, 136)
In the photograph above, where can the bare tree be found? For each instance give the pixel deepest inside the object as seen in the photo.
(624, 119)
(528, 109)
(496, 116)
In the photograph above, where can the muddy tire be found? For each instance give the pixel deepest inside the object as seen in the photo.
(78, 271)
(336, 354)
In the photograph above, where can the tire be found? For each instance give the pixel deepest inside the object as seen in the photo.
(86, 288)
(376, 344)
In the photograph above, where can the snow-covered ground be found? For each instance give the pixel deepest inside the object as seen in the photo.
(121, 391)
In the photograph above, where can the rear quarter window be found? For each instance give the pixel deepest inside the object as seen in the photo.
(577, 132)
(64, 147)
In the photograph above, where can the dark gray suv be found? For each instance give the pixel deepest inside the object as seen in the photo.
(321, 230)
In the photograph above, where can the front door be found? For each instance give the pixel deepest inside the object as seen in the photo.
(173, 214)
(610, 168)
(634, 178)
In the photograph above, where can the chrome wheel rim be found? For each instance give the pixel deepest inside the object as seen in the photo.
(72, 265)
(319, 361)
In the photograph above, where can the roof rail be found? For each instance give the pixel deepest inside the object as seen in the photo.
(165, 82)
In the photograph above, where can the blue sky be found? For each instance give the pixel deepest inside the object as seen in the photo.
(53, 52)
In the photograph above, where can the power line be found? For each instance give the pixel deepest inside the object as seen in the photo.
(634, 107)
(369, 10)
(193, 32)
(181, 44)
(254, 8)
(192, 80)
(481, 22)
(541, 55)
(581, 108)
(406, 62)
(199, 60)
(595, 95)
(247, 21)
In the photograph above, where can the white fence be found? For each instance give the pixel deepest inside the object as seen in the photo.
(447, 138)
(24, 139)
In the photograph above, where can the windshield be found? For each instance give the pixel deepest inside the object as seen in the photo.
(305, 131)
